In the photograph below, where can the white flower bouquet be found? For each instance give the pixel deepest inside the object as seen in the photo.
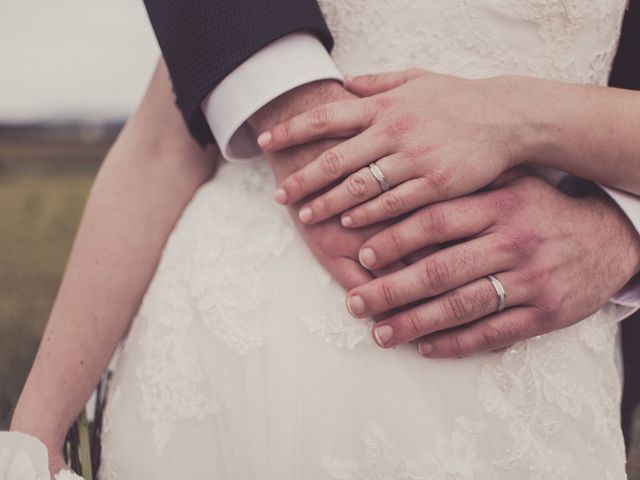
(24, 457)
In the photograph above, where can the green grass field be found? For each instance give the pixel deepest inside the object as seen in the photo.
(44, 181)
(43, 185)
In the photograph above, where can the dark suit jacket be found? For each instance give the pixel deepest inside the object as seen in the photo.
(626, 74)
(204, 40)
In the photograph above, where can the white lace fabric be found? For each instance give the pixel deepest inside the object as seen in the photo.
(566, 40)
(242, 362)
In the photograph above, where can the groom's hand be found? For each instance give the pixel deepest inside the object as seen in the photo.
(292, 103)
(559, 259)
(335, 247)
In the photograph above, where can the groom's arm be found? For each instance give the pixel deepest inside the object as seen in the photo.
(625, 73)
(229, 58)
(256, 63)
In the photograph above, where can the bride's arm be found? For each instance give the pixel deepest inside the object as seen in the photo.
(438, 137)
(146, 180)
(588, 131)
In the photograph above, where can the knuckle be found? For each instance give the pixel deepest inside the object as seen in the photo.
(506, 201)
(397, 241)
(362, 215)
(324, 204)
(465, 307)
(320, 117)
(436, 275)
(391, 203)
(398, 127)
(521, 244)
(433, 221)
(414, 324)
(492, 337)
(465, 257)
(415, 156)
(388, 293)
(534, 278)
(436, 180)
(548, 308)
(457, 308)
(283, 131)
(459, 348)
(356, 186)
(331, 163)
(483, 301)
(297, 183)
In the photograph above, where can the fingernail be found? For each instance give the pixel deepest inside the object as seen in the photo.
(280, 196)
(355, 305)
(346, 221)
(264, 138)
(425, 348)
(305, 214)
(383, 334)
(367, 257)
(349, 78)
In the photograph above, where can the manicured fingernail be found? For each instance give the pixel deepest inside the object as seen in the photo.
(425, 348)
(383, 334)
(280, 196)
(305, 214)
(346, 221)
(264, 139)
(355, 305)
(367, 257)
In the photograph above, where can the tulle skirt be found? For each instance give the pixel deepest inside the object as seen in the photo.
(243, 363)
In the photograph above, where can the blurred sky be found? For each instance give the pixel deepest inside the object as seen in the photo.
(73, 59)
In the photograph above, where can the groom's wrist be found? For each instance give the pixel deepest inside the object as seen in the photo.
(296, 101)
(617, 221)
(287, 105)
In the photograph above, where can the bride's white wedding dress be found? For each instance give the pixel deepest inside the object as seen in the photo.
(244, 364)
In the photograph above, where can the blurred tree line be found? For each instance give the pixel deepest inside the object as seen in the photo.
(45, 176)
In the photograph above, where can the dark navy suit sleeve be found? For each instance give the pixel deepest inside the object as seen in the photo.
(202, 41)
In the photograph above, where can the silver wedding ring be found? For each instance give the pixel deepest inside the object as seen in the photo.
(379, 176)
(499, 288)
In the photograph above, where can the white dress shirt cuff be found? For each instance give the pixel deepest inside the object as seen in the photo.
(287, 63)
(629, 296)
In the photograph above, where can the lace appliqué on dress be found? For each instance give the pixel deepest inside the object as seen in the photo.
(534, 390)
(211, 271)
(223, 270)
(478, 38)
(451, 457)
(340, 330)
(171, 383)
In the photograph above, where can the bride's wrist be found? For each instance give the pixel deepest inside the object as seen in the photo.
(536, 133)
(47, 430)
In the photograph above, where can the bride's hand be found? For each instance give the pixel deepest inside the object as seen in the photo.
(335, 247)
(434, 137)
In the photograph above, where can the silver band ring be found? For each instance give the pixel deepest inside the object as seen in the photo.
(502, 296)
(379, 176)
